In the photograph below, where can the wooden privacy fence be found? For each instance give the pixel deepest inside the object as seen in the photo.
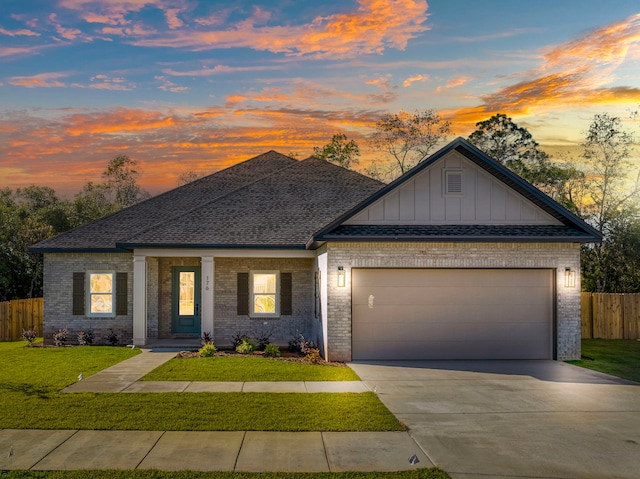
(610, 315)
(18, 315)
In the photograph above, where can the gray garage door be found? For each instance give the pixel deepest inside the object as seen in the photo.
(452, 313)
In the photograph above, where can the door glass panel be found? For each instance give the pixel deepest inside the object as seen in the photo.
(187, 293)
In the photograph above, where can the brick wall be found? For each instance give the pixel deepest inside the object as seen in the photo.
(452, 255)
(58, 301)
(227, 323)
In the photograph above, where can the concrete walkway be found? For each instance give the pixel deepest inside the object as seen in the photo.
(124, 377)
(209, 450)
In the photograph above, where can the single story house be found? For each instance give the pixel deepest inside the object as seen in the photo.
(459, 258)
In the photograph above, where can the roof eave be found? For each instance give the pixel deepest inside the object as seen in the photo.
(130, 246)
(456, 239)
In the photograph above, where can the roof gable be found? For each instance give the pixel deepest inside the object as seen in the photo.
(494, 204)
(478, 198)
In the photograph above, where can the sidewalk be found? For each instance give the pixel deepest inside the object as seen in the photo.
(246, 451)
(124, 377)
(251, 451)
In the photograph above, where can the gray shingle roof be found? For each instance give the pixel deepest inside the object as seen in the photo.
(270, 200)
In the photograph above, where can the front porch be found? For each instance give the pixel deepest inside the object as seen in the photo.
(209, 301)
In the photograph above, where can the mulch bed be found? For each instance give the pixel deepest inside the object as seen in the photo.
(284, 356)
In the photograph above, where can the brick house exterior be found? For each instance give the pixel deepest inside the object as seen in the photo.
(284, 246)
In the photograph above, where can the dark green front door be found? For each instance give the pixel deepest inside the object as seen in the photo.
(185, 300)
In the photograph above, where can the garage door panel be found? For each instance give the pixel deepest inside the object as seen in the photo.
(452, 314)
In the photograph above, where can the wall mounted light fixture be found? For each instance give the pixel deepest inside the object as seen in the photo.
(341, 277)
(569, 278)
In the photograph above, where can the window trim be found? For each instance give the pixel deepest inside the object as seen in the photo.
(252, 293)
(113, 293)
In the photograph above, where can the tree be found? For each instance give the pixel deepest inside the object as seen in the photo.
(514, 147)
(93, 202)
(121, 179)
(406, 139)
(339, 151)
(611, 205)
(188, 176)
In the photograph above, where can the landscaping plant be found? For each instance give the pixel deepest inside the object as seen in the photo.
(208, 350)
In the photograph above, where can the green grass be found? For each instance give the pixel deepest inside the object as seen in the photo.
(618, 357)
(433, 473)
(247, 368)
(31, 378)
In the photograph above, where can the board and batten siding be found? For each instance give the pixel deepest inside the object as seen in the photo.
(422, 200)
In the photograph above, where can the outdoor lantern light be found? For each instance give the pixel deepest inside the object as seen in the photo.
(341, 277)
(569, 278)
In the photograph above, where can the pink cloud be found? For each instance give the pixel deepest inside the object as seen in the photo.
(16, 33)
(415, 78)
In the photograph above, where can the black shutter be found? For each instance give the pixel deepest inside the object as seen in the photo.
(78, 294)
(122, 306)
(286, 308)
(243, 294)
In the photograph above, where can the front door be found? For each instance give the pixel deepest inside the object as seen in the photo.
(185, 300)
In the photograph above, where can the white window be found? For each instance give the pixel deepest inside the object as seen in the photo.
(101, 297)
(452, 182)
(264, 293)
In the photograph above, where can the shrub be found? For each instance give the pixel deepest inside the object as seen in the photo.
(85, 338)
(237, 338)
(298, 344)
(60, 337)
(112, 337)
(313, 355)
(247, 346)
(208, 350)
(207, 338)
(272, 349)
(29, 335)
(263, 337)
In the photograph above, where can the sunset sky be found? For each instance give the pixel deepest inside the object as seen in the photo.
(199, 85)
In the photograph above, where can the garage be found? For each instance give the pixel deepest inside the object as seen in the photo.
(452, 314)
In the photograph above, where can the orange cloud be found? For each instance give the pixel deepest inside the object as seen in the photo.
(376, 25)
(415, 78)
(48, 80)
(574, 74)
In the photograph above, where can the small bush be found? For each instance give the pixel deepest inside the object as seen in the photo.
(313, 355)
(238, 337)
(272, 349)
(60, 337)
(207, 338)
(247, 346)
(263, 337)
(85, 338)
(208, 350)
(298, 344)
(112, 338)
(29, 335)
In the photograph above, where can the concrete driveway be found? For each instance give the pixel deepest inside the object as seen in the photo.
(514, 419)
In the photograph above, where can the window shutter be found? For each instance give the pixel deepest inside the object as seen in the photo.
(122, 307)
(286, 308)
(243, 294)
(78, 294)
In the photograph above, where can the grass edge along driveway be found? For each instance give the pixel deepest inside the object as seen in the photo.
(30, 398)
(617, 357)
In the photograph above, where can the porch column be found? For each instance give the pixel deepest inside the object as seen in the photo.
(139, 300)
(207, 294)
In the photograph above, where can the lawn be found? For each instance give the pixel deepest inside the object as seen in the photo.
(433, 473)
(31, 378)
(618, 357)
(247, 368)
